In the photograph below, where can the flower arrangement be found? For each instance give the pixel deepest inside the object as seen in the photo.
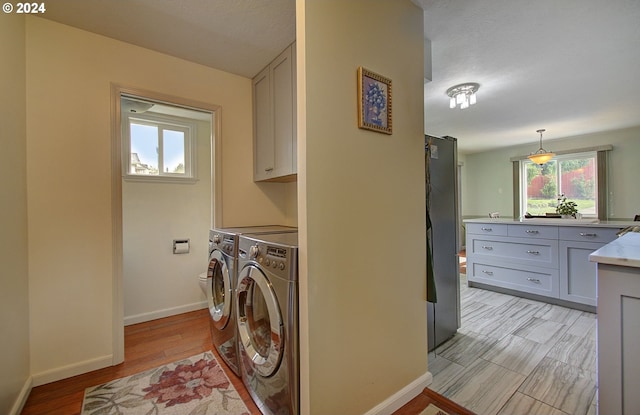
(565, 207)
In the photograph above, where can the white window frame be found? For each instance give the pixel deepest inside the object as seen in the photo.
(559, 158)
(163, 122)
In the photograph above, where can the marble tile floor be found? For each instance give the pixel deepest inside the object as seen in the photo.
(515, 356)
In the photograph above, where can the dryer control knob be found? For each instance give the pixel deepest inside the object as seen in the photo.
(281, 266)
(254, 251)
(217, 238)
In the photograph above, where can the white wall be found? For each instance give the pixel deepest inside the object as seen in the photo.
(14, 288)
(488, 185)
(157, 282)
(69, 76)
(361, 207)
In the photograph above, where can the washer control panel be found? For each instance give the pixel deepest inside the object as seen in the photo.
(225, 243)
(276, 254)
(269, 256)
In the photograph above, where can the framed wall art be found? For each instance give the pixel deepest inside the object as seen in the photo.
(374, 101)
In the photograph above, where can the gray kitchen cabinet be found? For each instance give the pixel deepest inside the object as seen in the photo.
(618, 325)
(274, 120)
(577, 274)
(527, 262)
(525, 278)
(547, 261)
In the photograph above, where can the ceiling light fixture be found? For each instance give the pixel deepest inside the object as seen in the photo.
(541, 156)
(463, 95)
(135, 106)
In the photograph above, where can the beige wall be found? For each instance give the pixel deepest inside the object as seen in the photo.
(487, 176)
(14, 288)
(361, 207)
(69, 76)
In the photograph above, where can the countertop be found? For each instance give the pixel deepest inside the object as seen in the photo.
(556, 222)
(624, 251)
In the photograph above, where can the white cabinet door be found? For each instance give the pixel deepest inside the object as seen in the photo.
(263, 141)
(283, 113)
(274, 120)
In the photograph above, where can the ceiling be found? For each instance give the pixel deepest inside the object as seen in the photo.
(237, 36)
(568, 66)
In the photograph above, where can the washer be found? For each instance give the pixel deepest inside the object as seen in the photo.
(267, 318)
(219, 285)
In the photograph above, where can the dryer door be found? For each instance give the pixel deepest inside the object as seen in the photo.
(260, 326)
(219, 290)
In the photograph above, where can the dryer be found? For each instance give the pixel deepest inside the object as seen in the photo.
(267, 319)
(220, 284)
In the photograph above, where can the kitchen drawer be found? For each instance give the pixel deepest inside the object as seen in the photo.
(588, 234)
(533, 231)
(498, 229)
(532, 280)
(543, 253)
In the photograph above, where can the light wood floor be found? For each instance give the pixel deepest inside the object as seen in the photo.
(517, 356)
(147, 345)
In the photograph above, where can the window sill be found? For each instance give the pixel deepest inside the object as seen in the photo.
(160, 179)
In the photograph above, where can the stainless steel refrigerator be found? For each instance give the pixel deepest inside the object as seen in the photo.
(441, 183)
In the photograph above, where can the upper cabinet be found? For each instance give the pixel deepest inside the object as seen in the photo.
(274, 120)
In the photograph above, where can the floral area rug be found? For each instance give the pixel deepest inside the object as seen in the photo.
(194, 386)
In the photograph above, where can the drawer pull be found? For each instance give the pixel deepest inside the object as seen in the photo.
(484, 271)
(590, 235)
(486, 229)
(533, 252)
(532, 231)
(268, 169)
(537, 281)
(487, 247)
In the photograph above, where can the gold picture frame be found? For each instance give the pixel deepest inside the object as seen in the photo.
(374, 102)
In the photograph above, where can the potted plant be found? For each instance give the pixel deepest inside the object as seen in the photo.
(566, 208)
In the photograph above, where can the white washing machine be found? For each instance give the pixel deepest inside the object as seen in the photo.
(267, 318)
(219, 286)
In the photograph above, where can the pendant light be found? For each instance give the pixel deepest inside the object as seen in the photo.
(541, 156)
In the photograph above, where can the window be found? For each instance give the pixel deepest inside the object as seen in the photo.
(158, 147)
(574, 176)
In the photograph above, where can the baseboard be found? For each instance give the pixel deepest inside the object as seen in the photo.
(154, 315)
(402, 397)
(22, 397)
(68, 371)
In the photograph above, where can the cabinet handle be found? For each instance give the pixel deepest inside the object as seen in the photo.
(537, 281)
(532, 231)
(533, 252)
(488, 248)
(591, 235)
(486, 229)
(269, 169)
(487, 272)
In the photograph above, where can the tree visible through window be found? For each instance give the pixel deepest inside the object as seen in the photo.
(573, 176)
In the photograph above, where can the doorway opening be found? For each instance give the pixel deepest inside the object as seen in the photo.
(165, 187)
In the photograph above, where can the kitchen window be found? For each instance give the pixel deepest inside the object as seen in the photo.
(580, 176)
(158, 148)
